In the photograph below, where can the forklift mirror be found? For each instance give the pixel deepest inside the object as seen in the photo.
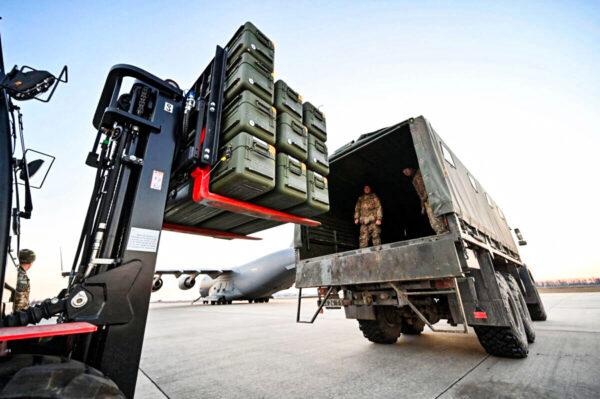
(33, 167)
(38, 168)
(519, 235)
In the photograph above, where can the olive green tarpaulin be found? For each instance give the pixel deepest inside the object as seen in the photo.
(452, 188)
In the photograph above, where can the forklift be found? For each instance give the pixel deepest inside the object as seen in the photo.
(149, 133)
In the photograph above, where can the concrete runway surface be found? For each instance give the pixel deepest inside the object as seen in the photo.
(258, 351)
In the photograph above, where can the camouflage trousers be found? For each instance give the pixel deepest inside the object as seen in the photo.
(437, 223)
(369, 230)
(21, 301)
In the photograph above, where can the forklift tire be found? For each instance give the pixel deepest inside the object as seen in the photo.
(527, 323)
(505, 341)
(38, 376)
(384, 330)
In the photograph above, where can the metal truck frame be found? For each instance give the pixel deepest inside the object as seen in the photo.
(471, 275)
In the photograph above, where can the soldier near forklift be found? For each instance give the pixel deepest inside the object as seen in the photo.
(26, 259)
(369, 214)
(437, 224)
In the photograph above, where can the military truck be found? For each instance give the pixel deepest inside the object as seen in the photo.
(471, 275)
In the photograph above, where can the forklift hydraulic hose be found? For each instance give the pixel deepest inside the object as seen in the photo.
(35, 314)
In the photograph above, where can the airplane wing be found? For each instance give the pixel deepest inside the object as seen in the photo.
(212, 273)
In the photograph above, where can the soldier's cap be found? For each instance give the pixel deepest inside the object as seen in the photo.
(26, 256)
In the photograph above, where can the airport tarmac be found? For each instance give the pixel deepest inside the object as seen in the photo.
(258, 351)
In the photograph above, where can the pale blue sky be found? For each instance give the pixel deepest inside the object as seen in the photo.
(513, 88)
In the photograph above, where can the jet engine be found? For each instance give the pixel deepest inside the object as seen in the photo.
(157, 283)
(205, 285)
(186, 282)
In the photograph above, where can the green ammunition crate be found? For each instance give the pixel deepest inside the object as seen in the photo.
(182, 210)
(290, 190)
(318, 197)
(290, 187)
(317, 156)
(247, 73)
(248, 113)
(314, 120)
(250, 40)
(287, 100)
(292, 136)
(249, 172)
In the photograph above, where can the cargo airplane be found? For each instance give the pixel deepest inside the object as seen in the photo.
(254, 281)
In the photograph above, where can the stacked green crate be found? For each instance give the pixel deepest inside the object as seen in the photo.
(247, 168)
(317, 162)
(257, 115)
(290, 189)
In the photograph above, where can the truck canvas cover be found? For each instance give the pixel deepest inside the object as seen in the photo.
(450, 186)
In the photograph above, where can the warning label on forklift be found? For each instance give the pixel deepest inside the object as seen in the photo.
(157, 180)
(144, 240)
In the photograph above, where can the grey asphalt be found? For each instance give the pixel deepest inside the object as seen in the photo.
(258, 351)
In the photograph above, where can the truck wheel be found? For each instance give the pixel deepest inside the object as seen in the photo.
(384, 330)
(527, 323)
(37, 376)
(505, 341)
(412, 327)
(537, 311)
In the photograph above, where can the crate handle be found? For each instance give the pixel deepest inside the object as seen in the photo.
(261, 36)
(262, 66)
(236, 62)
(295, 166)
(316, 112)
(262, 106)
(267, 56)
(298, 128)
(261, 145)
(319, 181)
(293, 94)
(231, 105)
(321, 146)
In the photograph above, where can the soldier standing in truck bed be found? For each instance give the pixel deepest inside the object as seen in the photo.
(369, 214)
(437, 223)
(26, 259)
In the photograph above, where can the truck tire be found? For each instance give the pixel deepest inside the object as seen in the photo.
(537, 311)
(505, 341)
(384, 330)
(412, 326)
(527, 323)
(37, 376)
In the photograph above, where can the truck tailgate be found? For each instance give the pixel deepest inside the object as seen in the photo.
(423, 258)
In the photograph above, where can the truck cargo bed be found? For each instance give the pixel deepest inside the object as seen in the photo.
(423, 258)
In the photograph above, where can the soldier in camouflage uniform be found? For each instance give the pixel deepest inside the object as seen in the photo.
(369, 214)
(437, 223)
(26, 259)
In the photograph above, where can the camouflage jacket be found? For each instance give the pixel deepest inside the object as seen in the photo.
(22, 290)
(419, 185)
(368, 209)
